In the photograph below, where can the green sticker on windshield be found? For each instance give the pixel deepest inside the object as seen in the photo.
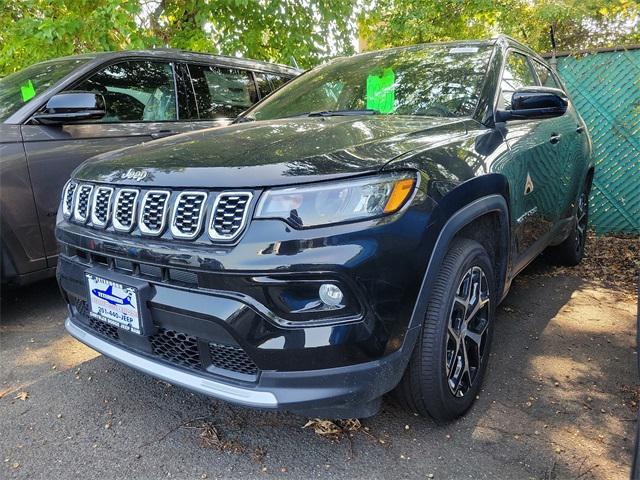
(27, 90)
(381, 95)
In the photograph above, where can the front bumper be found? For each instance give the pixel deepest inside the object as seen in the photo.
(176, 376)
(346, 392)
(205, 301)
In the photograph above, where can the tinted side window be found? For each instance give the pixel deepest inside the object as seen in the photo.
(544, 75)
(517, 74)
(278, 80)
(268, 82)
(136, 91)
(222, 92)
(264, 85)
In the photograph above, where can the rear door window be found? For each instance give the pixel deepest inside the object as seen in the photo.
(135, 91)
(222, 92)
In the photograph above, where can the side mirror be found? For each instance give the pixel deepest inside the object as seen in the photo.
(72, 107)
(534, 102)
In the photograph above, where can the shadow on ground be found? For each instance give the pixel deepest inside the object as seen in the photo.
(557, 403)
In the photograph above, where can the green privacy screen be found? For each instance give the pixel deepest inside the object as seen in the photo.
(606, 91)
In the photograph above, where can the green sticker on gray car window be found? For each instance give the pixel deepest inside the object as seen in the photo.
(27, 90)
(381, 95)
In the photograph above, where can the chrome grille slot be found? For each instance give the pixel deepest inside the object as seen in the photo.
(67, 198)
(188, 214)
(81, 208)
(124, 211)
(101, 207)
(229, 215)
(153, 212)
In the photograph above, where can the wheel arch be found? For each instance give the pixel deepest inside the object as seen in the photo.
(493, 206)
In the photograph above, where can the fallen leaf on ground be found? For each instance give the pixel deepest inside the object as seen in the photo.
(211, 438)
(22, 395)
(608, 259)
(334, 429)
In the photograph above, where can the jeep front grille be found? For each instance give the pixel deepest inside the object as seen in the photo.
(124, 213)
(188, 214)
(154, 212)
(81, 209)
(229, 215)
(101, 206)
(67, 198)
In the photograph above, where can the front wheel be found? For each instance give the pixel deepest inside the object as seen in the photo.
(448, 363)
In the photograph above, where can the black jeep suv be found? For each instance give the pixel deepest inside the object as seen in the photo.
(350, 234)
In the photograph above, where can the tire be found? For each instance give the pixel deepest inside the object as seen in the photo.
(571, 250)
(436, 382)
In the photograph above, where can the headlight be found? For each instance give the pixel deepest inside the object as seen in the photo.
(337, 202)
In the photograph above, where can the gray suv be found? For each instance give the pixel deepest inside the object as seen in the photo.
(56, 114)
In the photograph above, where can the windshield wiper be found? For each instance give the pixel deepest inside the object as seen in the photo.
(339, 113)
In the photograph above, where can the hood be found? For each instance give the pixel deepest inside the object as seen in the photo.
(269, 153)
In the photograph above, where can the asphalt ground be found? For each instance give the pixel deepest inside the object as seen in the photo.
(559, 401)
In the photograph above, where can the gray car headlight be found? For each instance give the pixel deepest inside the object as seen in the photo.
(338, 201)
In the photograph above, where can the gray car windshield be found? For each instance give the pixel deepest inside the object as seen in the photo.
(20, 87)
(439, 80)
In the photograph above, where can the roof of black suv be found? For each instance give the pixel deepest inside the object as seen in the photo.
(501, 40)
(187, 56)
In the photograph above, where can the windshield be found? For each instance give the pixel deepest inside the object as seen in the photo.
(438, 80)
(20, 87)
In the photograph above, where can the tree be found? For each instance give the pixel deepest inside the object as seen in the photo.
(578, 24)
(273, 30)
(307, 30)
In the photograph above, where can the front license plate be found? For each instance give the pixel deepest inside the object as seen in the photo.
(114, 303)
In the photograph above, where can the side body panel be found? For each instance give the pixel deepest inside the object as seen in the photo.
(20, 236)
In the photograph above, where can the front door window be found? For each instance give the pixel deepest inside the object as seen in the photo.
(135, 91)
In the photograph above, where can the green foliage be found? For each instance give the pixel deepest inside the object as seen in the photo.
(308, 30)
(273, 30)
(33, 30)
(578, 24)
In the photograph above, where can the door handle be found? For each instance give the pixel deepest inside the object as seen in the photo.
(162, 133)
(580, 129)
(555, 138)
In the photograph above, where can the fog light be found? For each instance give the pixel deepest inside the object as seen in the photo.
(330, 294)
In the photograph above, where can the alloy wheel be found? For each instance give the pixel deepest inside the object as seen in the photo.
(467, 331)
